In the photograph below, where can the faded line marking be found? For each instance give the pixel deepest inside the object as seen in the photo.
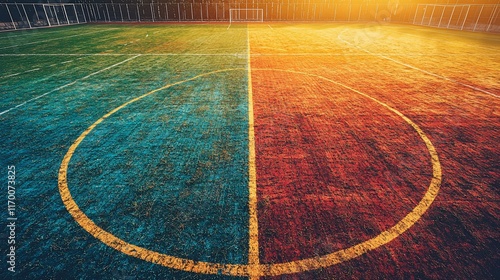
(253, 223)
(15, 74)
(124, 54)
(253, 271)
(384, 237)
(118, 244)
(416, 68)
(53, 39)
(68, 84)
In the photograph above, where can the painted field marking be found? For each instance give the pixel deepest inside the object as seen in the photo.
(244, 54)
(12, 75)
(384, 237)
(251, 269)
(253, 223)
(53, 39)
(125, 54)
(123, 246)
(366, 54)
(416, 68)
(440, 40)
(68, 84)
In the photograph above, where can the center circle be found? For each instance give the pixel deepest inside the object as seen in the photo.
(250, 269)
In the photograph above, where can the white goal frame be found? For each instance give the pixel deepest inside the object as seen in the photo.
(242, 15)
(51, 9)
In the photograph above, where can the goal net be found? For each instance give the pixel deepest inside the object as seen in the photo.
(245, 15)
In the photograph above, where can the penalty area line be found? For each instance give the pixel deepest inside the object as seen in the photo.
(67, 85)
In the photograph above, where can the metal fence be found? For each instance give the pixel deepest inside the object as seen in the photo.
(465, 17)
(462, 17)
(24, 16)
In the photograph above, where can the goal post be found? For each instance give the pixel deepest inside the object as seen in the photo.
(246, 15)
(62, 14)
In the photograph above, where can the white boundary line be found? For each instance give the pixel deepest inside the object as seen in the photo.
(68, 84)
(416, 68)
(125, 54)
(53, 39)
(36, 31)
(39, 27)
(243, 54)
(440, 40)
(28, 71)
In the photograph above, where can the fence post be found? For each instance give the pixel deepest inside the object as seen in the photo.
(121, 13)
(76, 14)
(65, 13)
(465, 19)
(46, 16)
(360, 8)
(192, 14)
(201, 10)
(27, 19)
(478, 17)
(83, 12)
(442, 14)
(57, 18)
(98, 13)
(152, 12)
(10, 15)
(492, 18)
(432, 14)
(138, 14)
(350, 8)
(452, 13)
(423, 16)
(36, 13)
(107, 12)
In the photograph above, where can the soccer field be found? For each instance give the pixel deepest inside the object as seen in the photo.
(260, 150)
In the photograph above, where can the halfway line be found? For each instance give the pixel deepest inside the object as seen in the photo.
(253, 225)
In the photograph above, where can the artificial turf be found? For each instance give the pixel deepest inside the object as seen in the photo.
(169, 171)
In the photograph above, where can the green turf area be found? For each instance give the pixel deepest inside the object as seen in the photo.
(168, 172)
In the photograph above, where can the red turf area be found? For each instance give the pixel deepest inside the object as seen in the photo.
(336, 168)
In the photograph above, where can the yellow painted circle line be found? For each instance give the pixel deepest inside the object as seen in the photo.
(245, 269)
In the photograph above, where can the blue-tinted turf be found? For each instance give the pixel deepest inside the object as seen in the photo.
(169, 172)
(36, 136)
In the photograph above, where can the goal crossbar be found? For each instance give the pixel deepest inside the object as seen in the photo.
(245, 15)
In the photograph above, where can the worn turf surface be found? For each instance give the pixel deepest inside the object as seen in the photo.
(153, 124)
